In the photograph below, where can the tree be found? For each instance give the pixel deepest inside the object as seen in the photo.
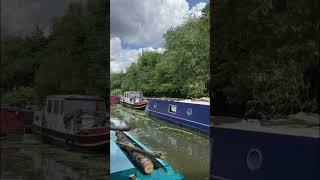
(261, 53)
(181, 71)
(71, 59)
(20, 95)
(116, 92)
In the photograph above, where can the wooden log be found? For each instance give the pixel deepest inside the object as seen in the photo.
(159, 154)
(119, 128)
(144, 163)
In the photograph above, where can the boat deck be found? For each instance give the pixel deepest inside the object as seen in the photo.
(121, 167)
(190, 101)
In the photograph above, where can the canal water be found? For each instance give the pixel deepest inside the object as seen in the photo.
(186, 151)
(27, 157)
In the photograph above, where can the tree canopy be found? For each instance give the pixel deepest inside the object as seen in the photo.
(265, 56)
(71, 59)
(181, 71)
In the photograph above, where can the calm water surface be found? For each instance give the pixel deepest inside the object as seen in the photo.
(27, 157)
(186, 151)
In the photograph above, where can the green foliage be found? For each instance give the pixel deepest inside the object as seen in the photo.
(71, 59)
(263, 51)
(181, 71)
(116, 79)
(20, 95)
(20, 58)
(76, 53)
(116, 92)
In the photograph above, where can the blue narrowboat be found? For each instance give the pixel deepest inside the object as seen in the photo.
(249, 150)
(122, 167)
(194, 115)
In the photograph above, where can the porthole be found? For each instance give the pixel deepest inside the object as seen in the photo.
(155, 105)
(254, 159)
(189, 111)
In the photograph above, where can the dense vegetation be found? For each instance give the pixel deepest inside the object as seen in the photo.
(71, 59)
(265, 56)
(181, 71)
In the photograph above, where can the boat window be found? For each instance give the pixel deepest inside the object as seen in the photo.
(172, 108)
(83, 105)
(189, 111)
(49, 106)
(61, 107)
(155, 105)
(56, 107)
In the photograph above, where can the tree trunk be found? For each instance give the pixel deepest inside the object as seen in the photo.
(142, 160)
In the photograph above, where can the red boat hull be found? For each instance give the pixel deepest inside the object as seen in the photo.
(139, 105)
(11, 121)
(91, 139)
(114, 100)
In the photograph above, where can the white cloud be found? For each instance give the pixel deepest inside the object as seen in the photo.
(122, 58)
(195, 11)
(144, 22)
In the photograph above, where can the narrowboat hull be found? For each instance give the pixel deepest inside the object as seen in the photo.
(140, 105)
(121, 165)
(14, 120)
(96, 139)
(279, 155)
(198, 120)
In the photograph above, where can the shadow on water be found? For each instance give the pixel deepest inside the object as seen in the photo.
(26, 157)
(186, 151)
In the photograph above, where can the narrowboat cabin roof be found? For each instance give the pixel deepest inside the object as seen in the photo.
(133, 92)
(280, 129)
(75, 97)
(194, 102)
(14, 108)
(189, 101)
(286, 126)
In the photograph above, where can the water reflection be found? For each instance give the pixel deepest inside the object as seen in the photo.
(186, 151)
(26, 157)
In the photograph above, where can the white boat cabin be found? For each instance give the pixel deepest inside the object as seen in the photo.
(132, 97)
(71, 113)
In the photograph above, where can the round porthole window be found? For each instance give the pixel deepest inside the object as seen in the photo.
(189, 111)
(155, 105)
(254, 159)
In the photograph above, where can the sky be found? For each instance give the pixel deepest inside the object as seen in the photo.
(138, 25)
